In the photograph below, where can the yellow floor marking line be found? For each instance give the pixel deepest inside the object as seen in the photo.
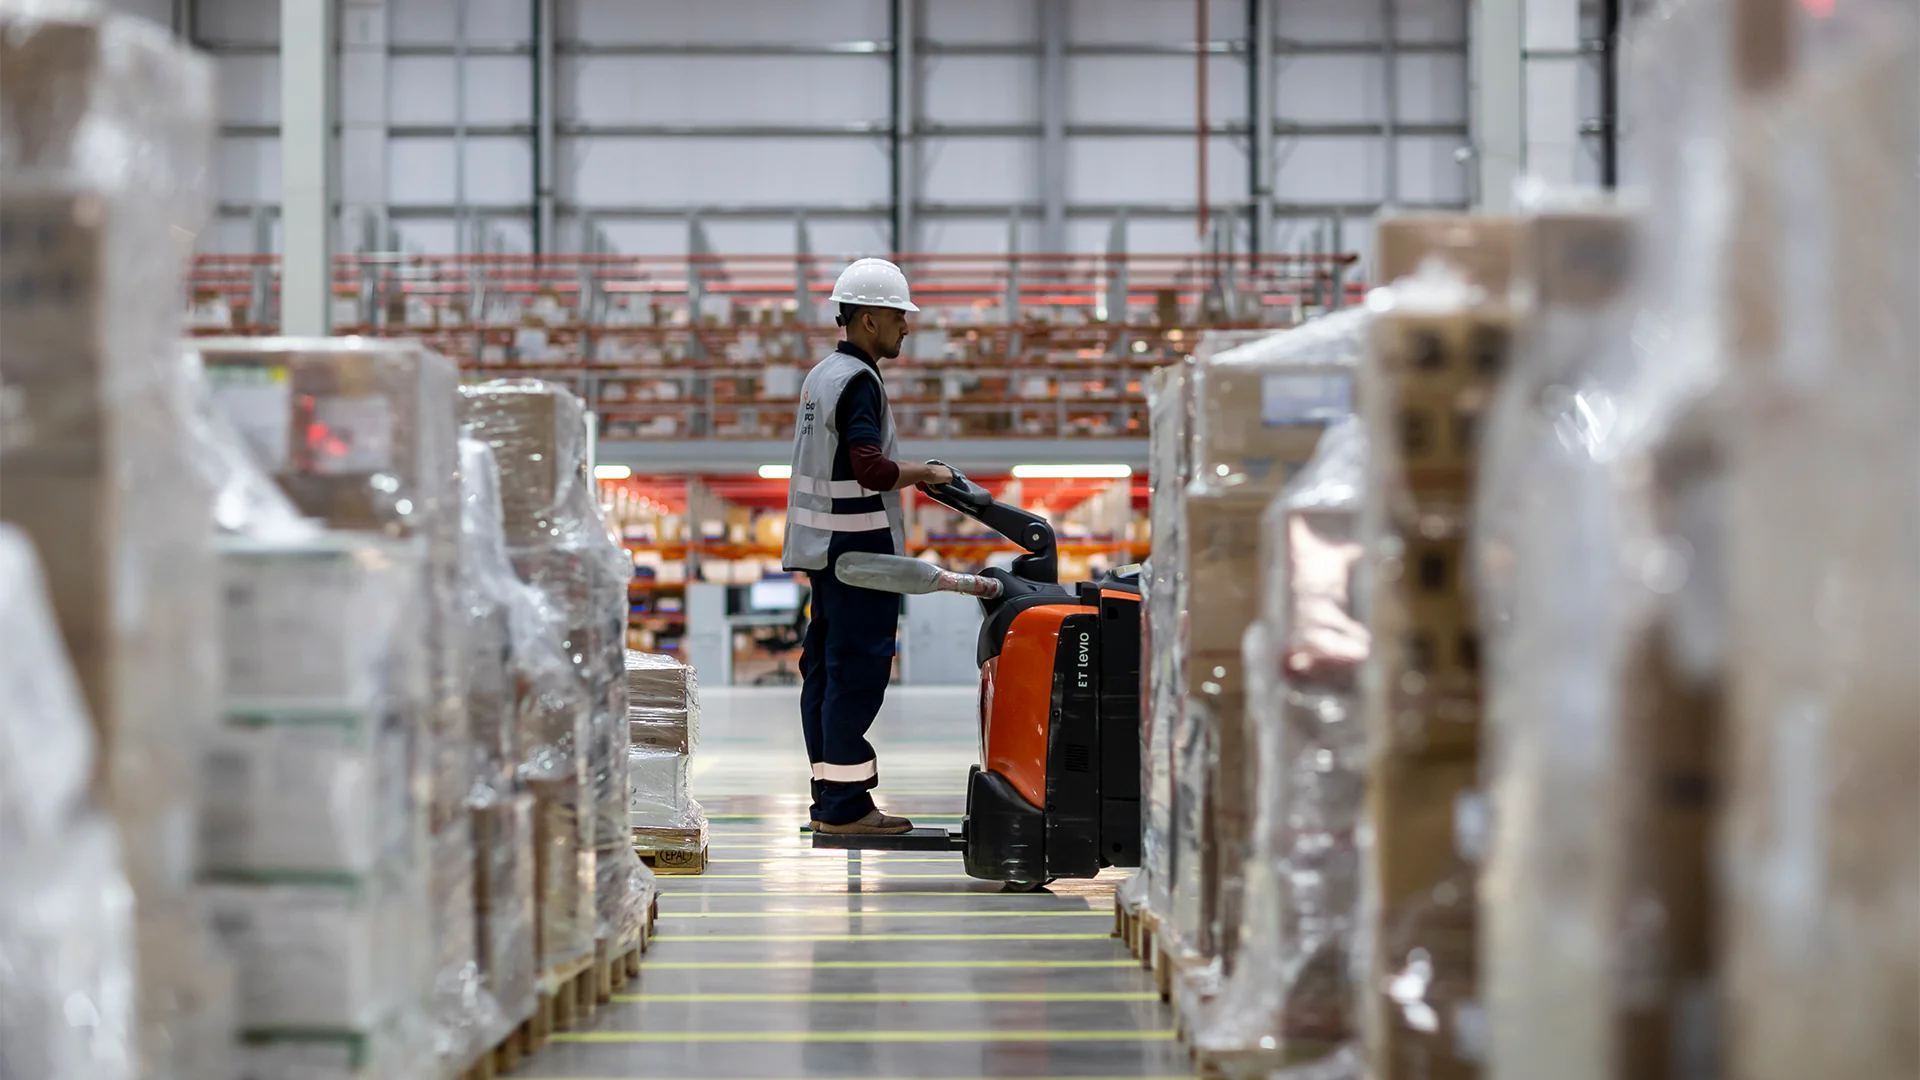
(918, 1078)
(676, 938)
(985, 891)
(668, 882)
(817, 913)
(908, 999)
(1165, 1035)
(876, 965)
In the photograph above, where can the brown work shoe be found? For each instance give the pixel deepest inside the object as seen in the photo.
(874, 824)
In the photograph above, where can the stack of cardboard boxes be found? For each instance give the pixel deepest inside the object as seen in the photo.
(1169, 406)
(1259, 409)
(1437, 348)
(591, 889)
(93, 469)
(362, 436)
(66, 915)
(1287, 999)
(663, 717)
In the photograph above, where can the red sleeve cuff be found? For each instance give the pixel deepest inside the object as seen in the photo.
(872, 468)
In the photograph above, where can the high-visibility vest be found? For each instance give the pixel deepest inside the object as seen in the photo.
(819, 506)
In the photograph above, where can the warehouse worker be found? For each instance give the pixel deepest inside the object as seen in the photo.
(845, 496)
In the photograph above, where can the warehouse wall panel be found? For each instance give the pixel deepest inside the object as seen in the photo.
(978, 66)
(977, 169)
(1150, 21)
(1153, 89)
(734, 21)
(499, 171)
(424, 90)
(796, 90)
(489, 22)
(979, 90)
(612, 171)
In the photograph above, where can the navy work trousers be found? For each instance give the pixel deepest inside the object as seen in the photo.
(844, 666)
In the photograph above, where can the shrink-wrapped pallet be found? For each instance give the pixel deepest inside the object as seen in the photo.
(1822, 871)
(1437, 348)
(106, 131)
(1259, 409)
(1287, 1001)
(324, 881)
(67, 1008)
(362, 435)
(1163, 670)
(559, 543)
(663, 710)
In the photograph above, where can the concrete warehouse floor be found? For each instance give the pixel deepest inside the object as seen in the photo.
(785, 962)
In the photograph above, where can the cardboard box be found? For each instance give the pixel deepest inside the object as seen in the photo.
(1421, 1015)
(1435, 374)
(359, 433)
(305, 795)
(658, 784)
(538, 436)
(329, 957)
(1481, 248)
(663, 703)
(504, 893)
(318, 622)
(563, 861)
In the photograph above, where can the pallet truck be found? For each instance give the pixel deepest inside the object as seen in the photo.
(1057, 791)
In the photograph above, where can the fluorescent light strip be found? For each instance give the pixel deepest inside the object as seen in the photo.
(1072, 472)
(776, 472)
(612, 472)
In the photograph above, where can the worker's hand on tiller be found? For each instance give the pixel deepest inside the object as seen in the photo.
(936, 475)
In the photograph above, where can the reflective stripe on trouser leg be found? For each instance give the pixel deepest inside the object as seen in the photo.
(847, 774)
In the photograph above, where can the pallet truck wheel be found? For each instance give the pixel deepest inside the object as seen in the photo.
(1026, 886)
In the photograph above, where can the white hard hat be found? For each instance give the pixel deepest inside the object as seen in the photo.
(873, 283)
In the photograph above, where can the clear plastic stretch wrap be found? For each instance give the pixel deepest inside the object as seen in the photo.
(106, 133)
(558, 543)
(1259, 409)
(663, 703)
(362, 435)
(1288, 1000)
(1437, 349)
(1170, 435)
(314, 831)
(66, 912)
(1591, 942)
(1822, 885)
(663, 710)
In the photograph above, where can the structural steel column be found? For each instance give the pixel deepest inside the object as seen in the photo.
(905, 156)
(1260, 90)
(306, 166)
(543, 126)
(1497, 95)
(1053, 125)
(1553, 59)
(1526, 57)
(363, 118)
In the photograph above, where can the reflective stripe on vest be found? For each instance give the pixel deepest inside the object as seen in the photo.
(832, 489)
(815, 519)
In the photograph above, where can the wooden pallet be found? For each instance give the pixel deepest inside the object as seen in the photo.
(577, 989)
(1135, 926)
(667, 851)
